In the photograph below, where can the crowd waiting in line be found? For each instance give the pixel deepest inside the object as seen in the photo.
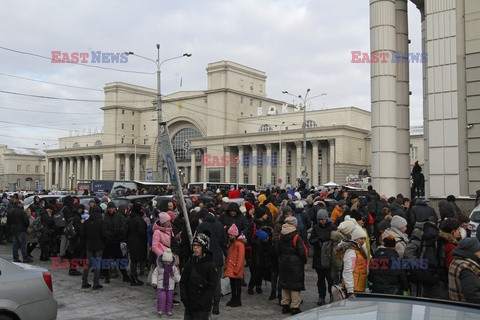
(370, 243)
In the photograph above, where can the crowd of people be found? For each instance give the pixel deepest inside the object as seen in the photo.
(367, 243)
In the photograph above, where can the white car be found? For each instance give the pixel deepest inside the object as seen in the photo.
(26, 292)
(474, 220)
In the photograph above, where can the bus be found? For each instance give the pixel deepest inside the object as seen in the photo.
(213, 186)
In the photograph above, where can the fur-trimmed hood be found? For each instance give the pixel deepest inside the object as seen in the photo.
(346, 245)
(449, 238)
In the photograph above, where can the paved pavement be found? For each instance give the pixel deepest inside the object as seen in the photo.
(119, 300)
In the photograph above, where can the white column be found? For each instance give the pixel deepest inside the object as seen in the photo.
(64, 177)
(193, 163)
(324, 164)
(254, 165)
(127, 166)
(314, 177)
(331, 159)
(78, 173)
(101, 168)
(94, 167)
(49, 174)
(267, 164)
(204, 168)
(283, 165)
(136, 174)
(57, 173)
(298, 163)
(240, 164)
(117, 167)
(187, 175)
(86, 174)
(383, 97)
(227, 167)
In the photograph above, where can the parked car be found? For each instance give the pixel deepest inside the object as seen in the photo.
(474, 220)
(143, 199)
(47, 197)
(388, 307)
(26, 292)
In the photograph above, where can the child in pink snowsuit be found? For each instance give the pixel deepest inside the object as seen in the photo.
(164, 277)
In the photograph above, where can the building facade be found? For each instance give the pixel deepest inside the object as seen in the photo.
(21, 168)
(232, 119)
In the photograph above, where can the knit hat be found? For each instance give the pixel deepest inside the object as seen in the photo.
(262, 235)
(233, 206)
(398, 222)
(470, 244)
(202, 213)
(342, 203)
(260, 212)
(136, 208)
(389, 241)
(322, 214)
(384, 224)
(203, 240)
(291, 220)
(164, 217)
(105, 199)
(262, 198)
(111, 204)
(346, 227)
(286, 209)
(167, 255)
(171, 214)
(233, 230)
(299, 205)
(248, 206)
(358, 233)
(356, 215)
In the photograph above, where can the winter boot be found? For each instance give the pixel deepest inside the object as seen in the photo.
(320, 302)
(286, 309)
(296, 311)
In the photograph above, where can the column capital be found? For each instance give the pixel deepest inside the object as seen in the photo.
(298, 144)
(241, 148)
(331, 141)
(268, 146)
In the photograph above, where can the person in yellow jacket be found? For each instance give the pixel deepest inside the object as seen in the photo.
(338, 211)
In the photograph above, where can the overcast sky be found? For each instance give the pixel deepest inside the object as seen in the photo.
(299, 44)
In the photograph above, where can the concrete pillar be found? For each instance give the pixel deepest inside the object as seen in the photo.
(187, 175)
(254, 165)
(227, 167)
(78, 174)
(241, 164)
(403, 100)
(100, 177)
(49, 174)
(56, 180)
(64, 178)
(136, 174)
(298, 163)
(204, 169)
(94, 167)
(324, 164)
(283, 165)
(384, 97)
(314, 177)
(86, 168)
(127, 167)
(331, 159)
(267, 164)
(193, 163)
(117, 167)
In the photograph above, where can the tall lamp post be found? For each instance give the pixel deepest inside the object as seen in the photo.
(304, 125)
(159, 63)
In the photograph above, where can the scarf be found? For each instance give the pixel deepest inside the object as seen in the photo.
(167, 272)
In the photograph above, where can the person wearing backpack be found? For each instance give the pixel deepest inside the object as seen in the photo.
(464, 272)
(292, 257)
(320, 239)
(32, 236)
(304, 222)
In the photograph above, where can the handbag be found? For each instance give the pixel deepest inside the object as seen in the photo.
(225, 285)
(149, 277)
(338, 292)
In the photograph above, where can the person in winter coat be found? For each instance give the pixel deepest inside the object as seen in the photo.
(355, 262)
(36, 207)
(162, 234)
(137, 242)
(464, 272)
(448, 238)
(94, 235)
(164, 277)
(198, 280)
(17, 223)
(292, 258)
(446, 210)
(218, 245)
(383, 277)
(234, 266)
(321, 236)
(305, 223)
(32, 238)
(47, 235)
(233, 215)
(422, 212)
(338, 210)
(397, 229)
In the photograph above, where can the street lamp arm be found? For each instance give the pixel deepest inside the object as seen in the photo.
(323, 94)
(137, 55)
(183, 55)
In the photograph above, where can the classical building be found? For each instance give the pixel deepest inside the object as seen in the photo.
(232, 118)
(21, 168)
(451, 95)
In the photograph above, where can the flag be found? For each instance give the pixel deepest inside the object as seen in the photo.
(181, 80)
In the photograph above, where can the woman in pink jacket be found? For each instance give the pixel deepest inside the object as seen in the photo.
(162, 234)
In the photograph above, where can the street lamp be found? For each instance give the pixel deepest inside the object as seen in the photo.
(46, 162)
(159, 94)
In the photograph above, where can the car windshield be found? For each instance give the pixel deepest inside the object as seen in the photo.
(475, 216)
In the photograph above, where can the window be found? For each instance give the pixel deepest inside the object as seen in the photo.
(76, 145)
(27, 169)
(180, 143)
(145, 141)
(310, 124)
(265, 128)
(198, 154)
(245, 178)
(259, 179)
(18, 184)
(274, 159)
(19, 167)
(251, 102)
(289, 157)
(413, 152)
(320, 157)
(260, 88)
(241, 100)
(251, 86)
(274, 179)
(289, 180)
(360, 153)
(122, 140)
(43, 169)
(123, 126)
(36, 169)
(133, 113)
(98, 143)
(260, 104)
(260, 161)
(246, 160)
(144, 127)
(133, 127)
(123, 111)
(133, 141)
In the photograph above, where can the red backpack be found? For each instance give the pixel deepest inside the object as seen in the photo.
(295, 239)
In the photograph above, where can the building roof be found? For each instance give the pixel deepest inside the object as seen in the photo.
(416, 130)
(27, 151)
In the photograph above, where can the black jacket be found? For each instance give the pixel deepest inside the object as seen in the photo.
(291, 262)
(197, 283)
(218, 241)
(116, 228)
(422, 212)
(227, 220)
(384, 278)
(17, 219)
(137, 237)
(94, 232)
(320, 234)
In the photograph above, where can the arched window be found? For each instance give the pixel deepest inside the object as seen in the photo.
(76, 145)
(265, 128)
(98, 143)
(181, 143)
(310, 124)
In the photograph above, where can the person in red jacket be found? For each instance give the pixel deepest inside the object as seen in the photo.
(234, 266)
(448, 237)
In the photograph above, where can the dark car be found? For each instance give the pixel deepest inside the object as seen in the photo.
(142, 199)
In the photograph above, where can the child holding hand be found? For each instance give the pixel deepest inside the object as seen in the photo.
(164, 277)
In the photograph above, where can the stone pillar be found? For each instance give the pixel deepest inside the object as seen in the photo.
(78, 174)
(127, 167)
(117, 167)
(241, 164)
(331, 159)
(204, 169)
(64, 177)
(324, 164)
(267, 162)
(227, 167)
(49, 174)
(193, 163)
(254, 164)
(383, 97)
(94, 167)
(101, 168)
(298, 163)
(314, 177)
(187, 175)
(136, 174)
(57, 173)
(283, 165)
(86, 170)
